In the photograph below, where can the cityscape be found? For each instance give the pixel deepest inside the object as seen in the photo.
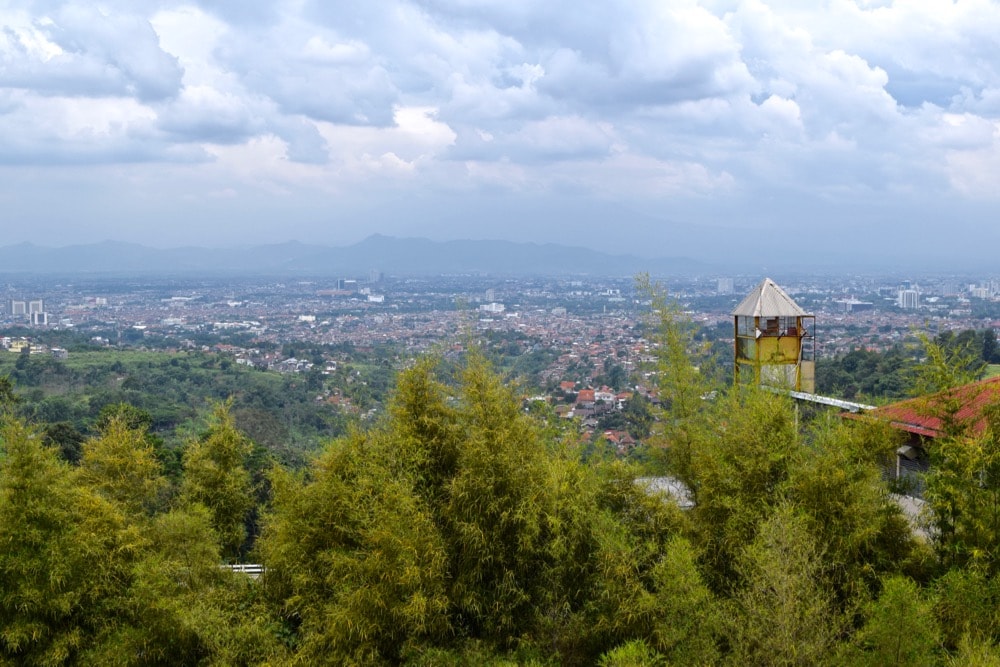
(417, 314)
(568, 329)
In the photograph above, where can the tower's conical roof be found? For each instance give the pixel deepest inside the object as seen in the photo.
(768, 300)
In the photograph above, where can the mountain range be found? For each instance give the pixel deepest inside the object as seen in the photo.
(391, 255)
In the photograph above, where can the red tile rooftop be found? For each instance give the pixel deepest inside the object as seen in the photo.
(920, 415)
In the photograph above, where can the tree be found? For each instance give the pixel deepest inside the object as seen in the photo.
(8, 397)
(492, 519)
(354, 551)
(216, 477)
(458, 522)
(737, 474)
(635, 653)
(638, 416)
(121, 465)
(944, 368)
(682, 385)
(688, 615)
(126, 415)
(900, 628)
(66, 553)
(963, 489)
(835, 482)
(991, 351)
(182, 608)
(783, 613)
(965, 601)
(64, 437)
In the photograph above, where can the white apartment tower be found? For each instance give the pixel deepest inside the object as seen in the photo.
(908, 299)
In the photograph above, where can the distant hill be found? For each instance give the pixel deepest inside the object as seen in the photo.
(401, 256)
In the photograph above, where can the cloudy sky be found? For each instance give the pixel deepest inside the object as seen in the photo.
(835, 129)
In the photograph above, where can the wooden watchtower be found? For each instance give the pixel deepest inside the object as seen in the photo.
(774, 341)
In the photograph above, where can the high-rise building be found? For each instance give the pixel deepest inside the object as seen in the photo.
(949, 288)
(724, 286)
(908, 299)
(18, 307)
(36, 306)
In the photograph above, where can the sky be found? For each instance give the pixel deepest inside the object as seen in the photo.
(840, 131)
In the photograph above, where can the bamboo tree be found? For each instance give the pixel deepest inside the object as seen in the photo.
(354, 555)
(682, 386)
(740, 473)
(65, 554)
(182, 608)
(493, 515)
(121, 465)
(216, 477)
(963, 490)
(900, 629)
(835, 483)
(783, 612)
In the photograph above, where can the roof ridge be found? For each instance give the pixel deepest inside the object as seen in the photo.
(768, 299)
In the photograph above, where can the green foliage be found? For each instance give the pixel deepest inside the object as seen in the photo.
(737, 475)
(990, 349)
(493, 514)
(689, 621)
(127, 416)
(215, 476)
(638, 416)
(172, 389)
(64, 552)
(945, 367)
(355, 558)
(963, 487)
(463, 530)
(8, 397)
(681, 382)
(783, 614)
(66, 439)
(965, 605)
(635, 653)
(964, 490)
(121, 466)
(900, 628)
(457, 520)
(182, 608)
(836, 486)
(473, 653)
(905, 370)
(865, 373)
(973, 653)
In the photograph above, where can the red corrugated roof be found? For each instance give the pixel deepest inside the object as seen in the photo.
(919, 415)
